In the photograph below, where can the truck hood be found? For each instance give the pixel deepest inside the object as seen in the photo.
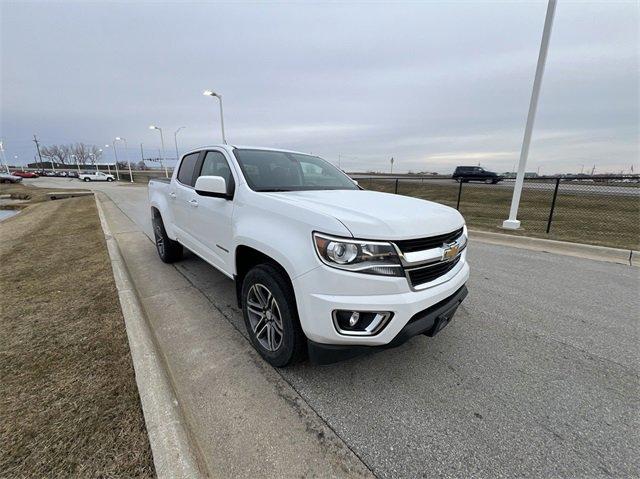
(375, 215)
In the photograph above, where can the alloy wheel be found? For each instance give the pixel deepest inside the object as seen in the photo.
(157, 229)
(264, 317)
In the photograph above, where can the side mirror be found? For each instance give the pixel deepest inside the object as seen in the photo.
(214, 186)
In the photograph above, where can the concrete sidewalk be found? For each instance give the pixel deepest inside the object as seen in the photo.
(242, 417)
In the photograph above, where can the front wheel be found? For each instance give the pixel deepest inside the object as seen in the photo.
(109, 179)
(86, 179)
(488, 181)
(169, 250)
(271, 316)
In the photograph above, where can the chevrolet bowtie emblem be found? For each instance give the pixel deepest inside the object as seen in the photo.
(451, 250)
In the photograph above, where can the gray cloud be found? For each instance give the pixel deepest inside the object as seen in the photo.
(433, 84)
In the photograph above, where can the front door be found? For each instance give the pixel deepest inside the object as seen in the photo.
(212, 220)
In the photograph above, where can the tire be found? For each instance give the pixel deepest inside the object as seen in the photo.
(271, 316)
(86, 179)
(109, 179)
(488, 181)
(169, 251)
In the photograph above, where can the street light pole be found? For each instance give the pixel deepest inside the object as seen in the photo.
(219, 97)
(77, 164)
(175, 138)
(3, 158)
(124, 140)
(116, 161)
(153, 127)
(513, 223)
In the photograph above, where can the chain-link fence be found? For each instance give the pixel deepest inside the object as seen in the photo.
(596, 210)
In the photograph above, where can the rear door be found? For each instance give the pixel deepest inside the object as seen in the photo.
(212, 218)
(181, 195)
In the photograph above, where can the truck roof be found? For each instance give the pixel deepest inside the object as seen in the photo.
(243, 147)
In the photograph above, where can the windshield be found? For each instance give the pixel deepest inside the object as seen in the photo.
(267, 170)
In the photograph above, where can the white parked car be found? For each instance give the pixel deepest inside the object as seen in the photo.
(320, 265)
(9, 178)
(95, 176)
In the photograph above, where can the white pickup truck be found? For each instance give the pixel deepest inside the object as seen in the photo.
(321, 266)
(95, 176)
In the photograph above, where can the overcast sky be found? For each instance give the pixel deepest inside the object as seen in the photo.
(433, 84)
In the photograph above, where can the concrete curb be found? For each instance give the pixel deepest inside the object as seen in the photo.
(597, 253)
(173, 454)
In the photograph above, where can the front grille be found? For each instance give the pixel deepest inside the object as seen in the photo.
(426, 274)
(419, 244)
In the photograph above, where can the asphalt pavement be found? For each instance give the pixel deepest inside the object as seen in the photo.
(537, 375)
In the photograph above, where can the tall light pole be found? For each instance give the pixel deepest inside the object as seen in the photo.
(116, 160)
(3, 158)
(124, 140)
(513, 223)
(153, 127)
(219, 97)
(77, 164)
(175, 138)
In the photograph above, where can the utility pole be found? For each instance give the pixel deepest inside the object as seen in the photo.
(35, 140)
(392, 165)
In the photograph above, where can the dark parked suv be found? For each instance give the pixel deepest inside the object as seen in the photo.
(475, 173)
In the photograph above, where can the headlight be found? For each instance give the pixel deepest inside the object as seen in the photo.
(370, 257)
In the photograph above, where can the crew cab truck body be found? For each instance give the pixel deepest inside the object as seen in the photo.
(320, 265)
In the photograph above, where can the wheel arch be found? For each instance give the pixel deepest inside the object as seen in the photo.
(246, 257)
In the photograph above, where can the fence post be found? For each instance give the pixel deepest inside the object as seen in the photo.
(553, 204)
(396, 186)
(459, 195)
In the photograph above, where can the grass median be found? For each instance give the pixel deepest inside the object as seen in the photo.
(579, 217)
(69, 404)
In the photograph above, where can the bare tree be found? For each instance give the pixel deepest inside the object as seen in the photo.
(55, 153)
(86, 154)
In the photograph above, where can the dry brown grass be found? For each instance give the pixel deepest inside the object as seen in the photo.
(19, 191)
(605, 220)
(69, 405)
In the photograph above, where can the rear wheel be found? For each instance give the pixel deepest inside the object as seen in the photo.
(271, 316)
(169, 251)
(87, 179)
(488, 181)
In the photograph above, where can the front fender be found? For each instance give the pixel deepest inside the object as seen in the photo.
(286, 240)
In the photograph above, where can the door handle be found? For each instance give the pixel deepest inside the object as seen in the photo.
(193, 203)
(172, 195)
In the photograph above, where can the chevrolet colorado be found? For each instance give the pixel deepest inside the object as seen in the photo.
(321, 266)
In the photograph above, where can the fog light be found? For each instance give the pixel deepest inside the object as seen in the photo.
(360, 323)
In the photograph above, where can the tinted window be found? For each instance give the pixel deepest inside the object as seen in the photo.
(267, 170)
(215, 164)
(188, 164)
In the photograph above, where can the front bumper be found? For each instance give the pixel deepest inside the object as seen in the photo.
(428, 322)
(322, 290)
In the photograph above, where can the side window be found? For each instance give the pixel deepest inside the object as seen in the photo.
(187, 166)
(215, 164)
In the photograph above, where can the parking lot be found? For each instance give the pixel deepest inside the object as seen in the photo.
(536, 376)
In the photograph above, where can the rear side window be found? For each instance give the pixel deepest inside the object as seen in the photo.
(215, 164)
(187, 166)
